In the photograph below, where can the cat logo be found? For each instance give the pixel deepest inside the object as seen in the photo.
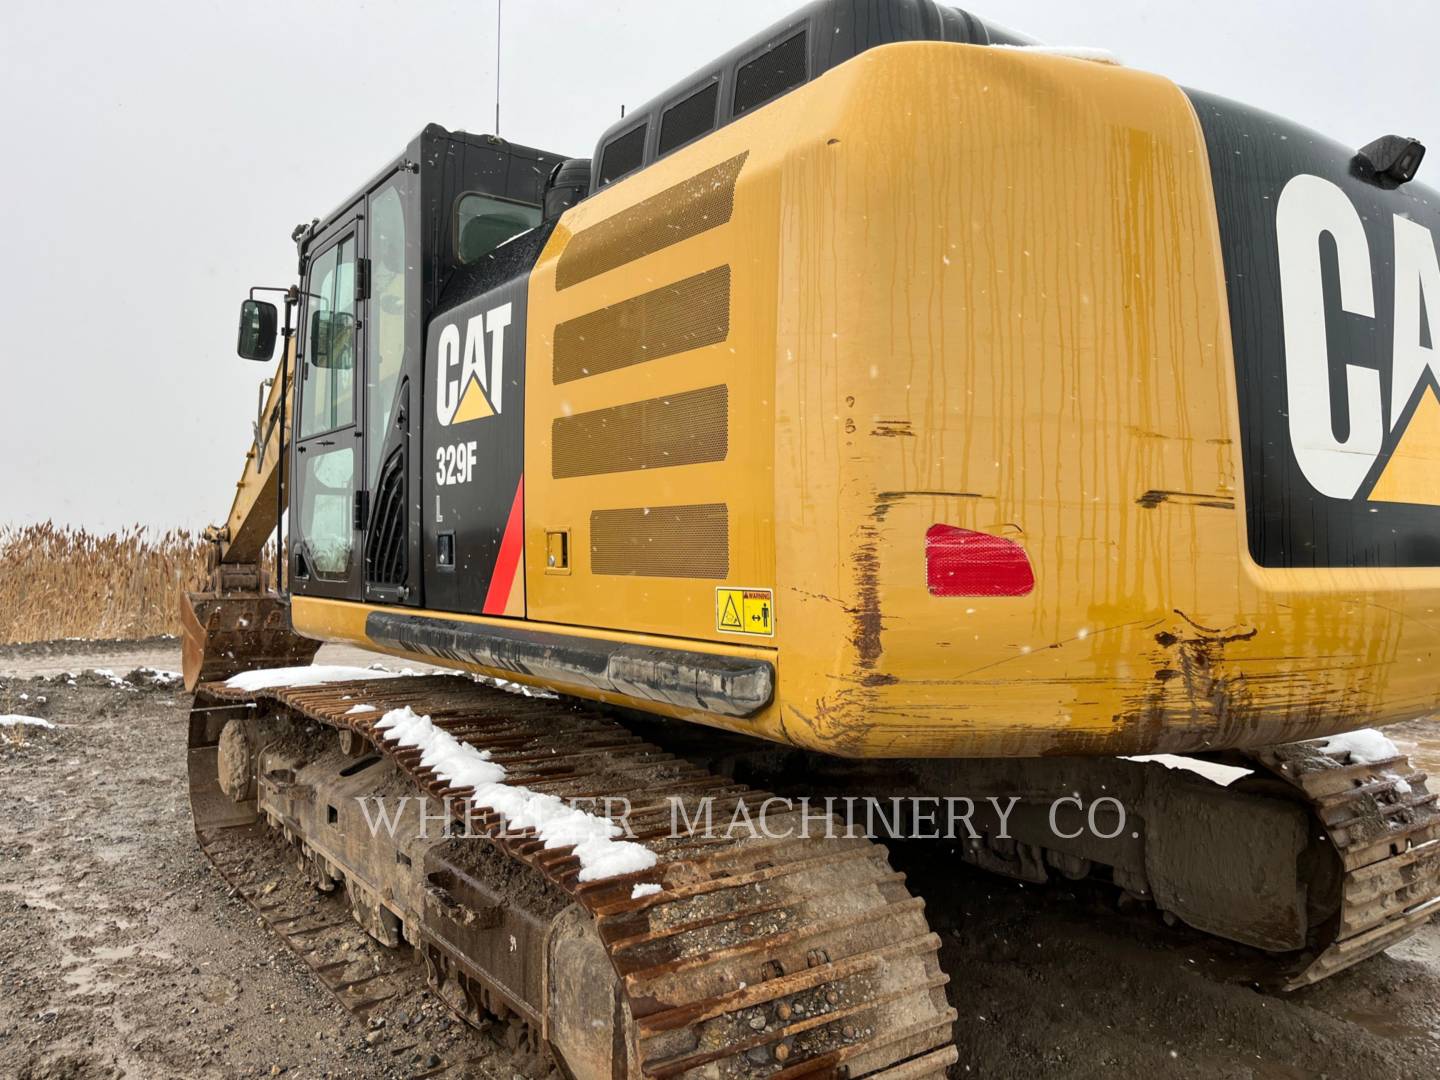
(470, 382)
(1390, 449)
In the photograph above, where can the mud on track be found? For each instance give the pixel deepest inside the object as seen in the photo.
(122, 955)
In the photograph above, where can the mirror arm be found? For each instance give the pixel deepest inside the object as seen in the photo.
(292, 294)
(261, 437)
(292, 298)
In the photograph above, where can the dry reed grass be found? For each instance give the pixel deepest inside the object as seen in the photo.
(60, 582)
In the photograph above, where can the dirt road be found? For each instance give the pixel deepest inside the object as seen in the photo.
(121, 953)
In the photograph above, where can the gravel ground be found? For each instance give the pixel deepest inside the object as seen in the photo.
(121, 953)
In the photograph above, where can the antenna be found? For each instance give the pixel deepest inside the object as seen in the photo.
(499, 4)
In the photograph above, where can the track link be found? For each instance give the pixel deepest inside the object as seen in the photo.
(1383, 822)
(319, 929)
(756, 957)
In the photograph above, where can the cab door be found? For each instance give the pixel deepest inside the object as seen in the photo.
(327, 505)
(390, 287)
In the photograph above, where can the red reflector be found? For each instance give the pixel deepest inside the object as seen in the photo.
(959, 562)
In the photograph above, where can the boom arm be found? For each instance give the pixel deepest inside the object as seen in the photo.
(237, 623)
(255, 511)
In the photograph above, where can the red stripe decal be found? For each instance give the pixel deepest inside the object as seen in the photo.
(508, 561)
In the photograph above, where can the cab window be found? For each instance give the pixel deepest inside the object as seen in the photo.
(329, 394)
(385, 341)
(328, 487)
(483, 223)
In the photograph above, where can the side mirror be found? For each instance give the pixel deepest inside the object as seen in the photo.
(257, 330)
(332, 340)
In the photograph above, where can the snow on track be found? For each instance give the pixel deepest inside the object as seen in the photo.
(1365, 746)
(312, 675)
(595, 839)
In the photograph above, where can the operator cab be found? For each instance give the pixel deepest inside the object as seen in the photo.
(373, 274)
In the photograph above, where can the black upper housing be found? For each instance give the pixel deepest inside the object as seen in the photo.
(801, 47)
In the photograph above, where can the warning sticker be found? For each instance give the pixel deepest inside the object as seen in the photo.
(745, 611)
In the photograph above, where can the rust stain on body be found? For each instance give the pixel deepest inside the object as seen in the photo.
(887, 498)
(1154, 498)
(892, 428)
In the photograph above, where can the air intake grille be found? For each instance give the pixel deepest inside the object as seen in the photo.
(770, 75)
(689, 119)
(385, 553)
(665, 321)
(662, 541)
(622, 155)
(681, 429)
(689, 208)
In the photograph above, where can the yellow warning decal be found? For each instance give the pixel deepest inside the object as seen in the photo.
(745, 611)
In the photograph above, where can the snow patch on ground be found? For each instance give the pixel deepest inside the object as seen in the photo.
(114, 680)
(313, 675)
(359, 709)
(161, 677)
(595, 839)
(14, 720)
(1365, 746)
(1224, 775)
(643, 890)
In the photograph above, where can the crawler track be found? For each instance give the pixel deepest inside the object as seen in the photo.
(757, 957)
(1382, 820)
(318, 928)
(784, 955)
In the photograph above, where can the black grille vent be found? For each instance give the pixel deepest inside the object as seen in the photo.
(770, 75)
(690, 119)
(623, 155)
(385, 548)
(662, 541)
(665, 321)
(681, 429)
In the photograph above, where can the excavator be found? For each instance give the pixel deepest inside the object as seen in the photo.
(894, 407)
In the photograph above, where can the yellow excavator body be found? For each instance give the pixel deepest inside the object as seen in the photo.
(1013, 322)
(960, 415)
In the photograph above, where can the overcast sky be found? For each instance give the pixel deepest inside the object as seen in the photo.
(157, 156)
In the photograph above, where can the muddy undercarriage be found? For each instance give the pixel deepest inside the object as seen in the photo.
(794, 950)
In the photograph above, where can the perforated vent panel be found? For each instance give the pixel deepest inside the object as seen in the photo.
(681, 429)
(770, 75)
(662, 541)
(689, 208)
(690, 118)
(623, 155)
(385, 547)
(662, 322)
